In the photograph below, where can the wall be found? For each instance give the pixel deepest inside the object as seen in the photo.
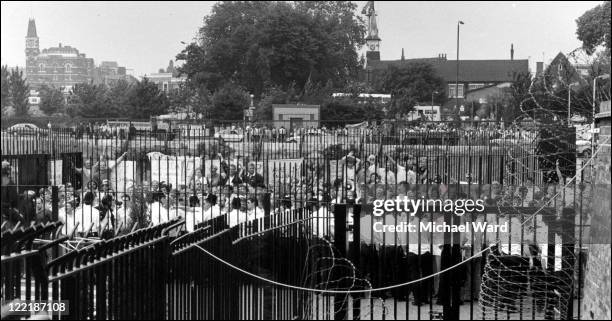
(55, 73)
(596, 303)
(296, 111)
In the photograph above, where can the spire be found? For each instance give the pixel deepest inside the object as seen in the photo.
(370, 12)
(403, 58)
(31, 29)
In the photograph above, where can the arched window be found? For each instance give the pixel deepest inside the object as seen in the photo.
(41, 67)
(68, 68)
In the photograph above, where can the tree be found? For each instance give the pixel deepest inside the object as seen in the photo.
(346, 110)
(261, 44)
(273, 95)
(409, 85)
(146, 100)
(593, 28)
(119, 94)
(229, 102)
(19, 92)
(51, 100)
(5, 87)
(89, 101)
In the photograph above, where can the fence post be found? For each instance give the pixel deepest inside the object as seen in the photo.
(340, 313)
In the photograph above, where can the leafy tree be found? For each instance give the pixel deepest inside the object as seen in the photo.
(261, 44)
(346, 110)
(229, 102)
(5, 87)
(51, 100)
(180, 98)
(119, 94)
(409, 85)
(19, 92)
(273, 95)
(89, 101)
(593, 28)
(146, 100)
(190, 98)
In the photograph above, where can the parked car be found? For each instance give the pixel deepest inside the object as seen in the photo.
(230, 135)
(307, 137)
(26, 129)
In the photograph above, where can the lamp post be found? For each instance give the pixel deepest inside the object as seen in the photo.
(435, 92)
(457, 79)
(569, 102)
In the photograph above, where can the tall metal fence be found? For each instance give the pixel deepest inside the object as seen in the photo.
(284, 227)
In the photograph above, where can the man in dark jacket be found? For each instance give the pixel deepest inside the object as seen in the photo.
(252, 177)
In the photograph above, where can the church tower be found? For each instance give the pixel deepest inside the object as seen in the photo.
(372, 40)
(31, 50)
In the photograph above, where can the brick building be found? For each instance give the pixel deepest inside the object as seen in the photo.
(596, 304)
(64, 66)
(473, 74)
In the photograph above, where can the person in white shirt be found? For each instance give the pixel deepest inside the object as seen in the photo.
(254, 212)
(211, 209)
(67, 215)
(88, 215)
(236, 215)
(157, 210)
(323, 222)
(123, 212)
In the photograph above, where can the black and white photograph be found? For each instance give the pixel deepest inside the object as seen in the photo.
(306, 160)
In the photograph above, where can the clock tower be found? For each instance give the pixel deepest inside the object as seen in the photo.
(372, 40)
(32, 49)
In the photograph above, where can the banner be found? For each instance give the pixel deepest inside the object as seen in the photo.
(284, 170)
(175, 170)
(123, 176)
(55, 172)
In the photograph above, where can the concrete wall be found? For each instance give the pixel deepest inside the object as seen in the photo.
(596, 303)
(282, 114)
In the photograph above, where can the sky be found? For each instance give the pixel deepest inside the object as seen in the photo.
(144, 36)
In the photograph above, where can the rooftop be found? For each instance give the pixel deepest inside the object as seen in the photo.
(469, 70)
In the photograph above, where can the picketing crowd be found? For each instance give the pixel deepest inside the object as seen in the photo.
(233, 188)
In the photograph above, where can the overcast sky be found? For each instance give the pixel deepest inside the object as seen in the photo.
(144, 36)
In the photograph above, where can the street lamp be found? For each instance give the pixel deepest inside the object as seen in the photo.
(457, 79)
(435, 92)
(569, 102)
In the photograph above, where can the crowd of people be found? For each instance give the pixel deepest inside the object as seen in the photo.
(233, 188)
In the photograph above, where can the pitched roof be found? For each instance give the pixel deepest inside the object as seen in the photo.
(469, 70)
(31, 29)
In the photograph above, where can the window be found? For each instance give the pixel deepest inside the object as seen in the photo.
(165, 87)
(451, 91)
(68, 68)
(41, 67)
(280, 116)
(475, 86)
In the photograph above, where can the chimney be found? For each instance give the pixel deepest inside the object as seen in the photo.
(511, 51)
(539, 67)
(403, 58)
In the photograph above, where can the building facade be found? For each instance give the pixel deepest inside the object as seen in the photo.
(293, 116)
(63, 66)
(166, 81)
(471, 75)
